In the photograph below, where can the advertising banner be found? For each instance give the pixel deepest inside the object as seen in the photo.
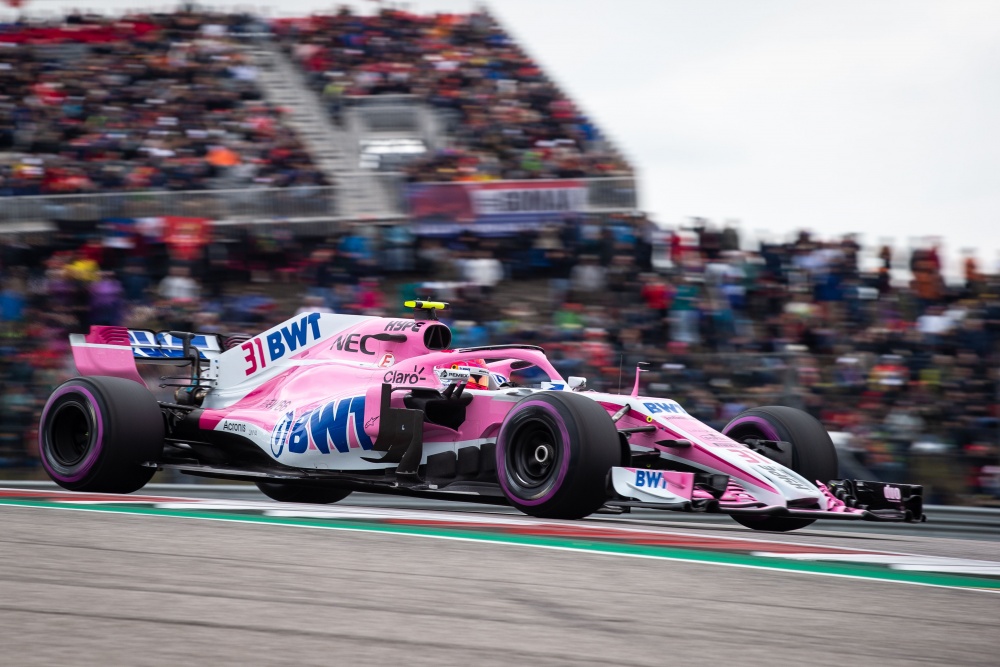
(98, 33)
(492, 207)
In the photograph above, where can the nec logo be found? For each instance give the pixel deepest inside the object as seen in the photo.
(354, 343)
(336, 423)
(286, 339)
(650, 478)
(664, 407)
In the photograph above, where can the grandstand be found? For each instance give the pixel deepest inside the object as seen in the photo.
(321, 120)
(453, 81)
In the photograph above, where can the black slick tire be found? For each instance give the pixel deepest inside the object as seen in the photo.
(96, 433)
(553, 454)
(812, 453)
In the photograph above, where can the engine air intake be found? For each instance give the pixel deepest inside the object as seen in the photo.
(437, 337)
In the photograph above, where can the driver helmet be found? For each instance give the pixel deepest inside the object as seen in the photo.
(479, 376)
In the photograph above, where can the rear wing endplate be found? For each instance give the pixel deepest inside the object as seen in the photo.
(155, 347)
(115, 351)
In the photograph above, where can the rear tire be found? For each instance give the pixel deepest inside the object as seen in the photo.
(811, 455)
(284, 492)
(554, 452)
(97, 432)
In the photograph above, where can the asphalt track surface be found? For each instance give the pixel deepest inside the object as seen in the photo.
(123, 588)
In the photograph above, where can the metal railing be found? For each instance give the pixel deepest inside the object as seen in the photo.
(388, 119)
(371, 101)
(612, 194)
(372, 196)
(385, 200)
(383, 113)
(246, 205)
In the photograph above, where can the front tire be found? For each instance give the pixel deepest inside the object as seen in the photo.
(97, 432)
(811, 455)
(554, 452)
(294, 493)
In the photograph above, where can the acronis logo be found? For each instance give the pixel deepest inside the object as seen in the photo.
(334, 426)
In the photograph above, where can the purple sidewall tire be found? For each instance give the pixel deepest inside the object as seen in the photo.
(565, 454)
(78, 471)
(812, 454)
(764, 426)
(97, 434)
(577, 432)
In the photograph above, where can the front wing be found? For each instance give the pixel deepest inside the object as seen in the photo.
(702, 492)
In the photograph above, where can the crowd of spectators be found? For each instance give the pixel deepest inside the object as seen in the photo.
(507, 118)
(149, 102)
(903, 370)
(170, 101)
(900, 364)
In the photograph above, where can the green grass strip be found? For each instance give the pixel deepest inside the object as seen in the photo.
(854, 570)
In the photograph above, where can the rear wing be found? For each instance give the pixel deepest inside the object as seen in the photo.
(166, 347)
(115, 351)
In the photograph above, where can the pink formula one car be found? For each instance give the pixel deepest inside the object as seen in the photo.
(323, 405)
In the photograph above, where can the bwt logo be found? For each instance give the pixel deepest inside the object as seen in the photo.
(669, 406)
(335, 423)
(650, 478)
(892, 493)
(293, 336)
(286, 339)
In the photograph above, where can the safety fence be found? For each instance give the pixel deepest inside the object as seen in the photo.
(385, 113)
(304, 203)
(245, 205)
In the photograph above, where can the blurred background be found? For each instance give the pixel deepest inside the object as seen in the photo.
(218, 171)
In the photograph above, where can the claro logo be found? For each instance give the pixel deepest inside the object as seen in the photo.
(330, 427)
(404, 377)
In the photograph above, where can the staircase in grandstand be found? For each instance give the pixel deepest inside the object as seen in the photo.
(360, 194)
(283, 86)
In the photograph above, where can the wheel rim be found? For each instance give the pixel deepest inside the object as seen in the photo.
(743, 433)
(750, 431)
(533, 457)
(71, 433)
